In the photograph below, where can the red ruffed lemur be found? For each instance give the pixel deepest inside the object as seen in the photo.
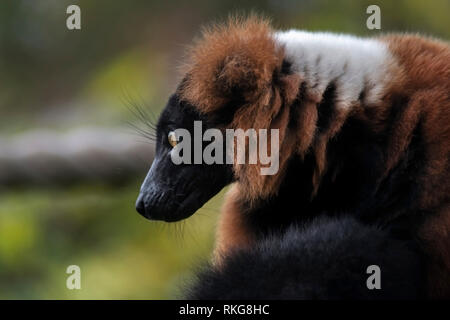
(363, 179)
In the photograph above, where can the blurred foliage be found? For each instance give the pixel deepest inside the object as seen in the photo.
(121, 255)
(55, 78)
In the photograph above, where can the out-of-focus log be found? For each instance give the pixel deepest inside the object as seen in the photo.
(85, 154)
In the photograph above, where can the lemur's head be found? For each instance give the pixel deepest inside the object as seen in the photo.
(236, 79)
(171, 190)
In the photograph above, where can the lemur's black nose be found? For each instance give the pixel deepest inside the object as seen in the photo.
(140, 206)
(151, 210)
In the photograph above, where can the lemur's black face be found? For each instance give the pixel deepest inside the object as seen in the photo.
(172, 192)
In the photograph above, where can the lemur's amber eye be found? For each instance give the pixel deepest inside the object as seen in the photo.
(172, 137)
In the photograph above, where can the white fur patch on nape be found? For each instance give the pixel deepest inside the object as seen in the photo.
(354, 64)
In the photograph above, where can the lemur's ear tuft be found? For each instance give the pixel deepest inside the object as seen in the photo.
(231, 61)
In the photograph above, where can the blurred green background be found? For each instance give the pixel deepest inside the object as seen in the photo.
(55, 208)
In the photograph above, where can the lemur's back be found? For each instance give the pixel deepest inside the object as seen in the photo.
(398, 85)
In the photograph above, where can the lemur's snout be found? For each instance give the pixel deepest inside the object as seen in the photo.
(153, 202)
(152, 209)
(140, 206)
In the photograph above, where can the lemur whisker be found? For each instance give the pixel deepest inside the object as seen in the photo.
(142, 115)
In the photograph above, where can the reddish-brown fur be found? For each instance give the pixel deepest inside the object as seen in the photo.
(241, 59)
(231, 231)
(426, 64)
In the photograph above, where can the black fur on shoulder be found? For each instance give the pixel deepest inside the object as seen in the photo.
(328, 259)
